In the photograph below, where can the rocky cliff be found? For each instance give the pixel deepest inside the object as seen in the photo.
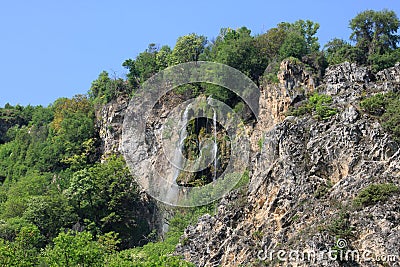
(306, 176)
(305, 181)
(109, 118)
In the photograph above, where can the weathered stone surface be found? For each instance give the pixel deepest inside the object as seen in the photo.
(275, 99)
(110, 118)
(304, 176)
(293, 74)
(303, 184)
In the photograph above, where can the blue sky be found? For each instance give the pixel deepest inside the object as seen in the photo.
(51, 49)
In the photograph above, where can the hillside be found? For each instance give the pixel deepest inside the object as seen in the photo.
(248, 150)
(313, 182)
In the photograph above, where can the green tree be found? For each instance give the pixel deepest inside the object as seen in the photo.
(308, 29)
(375, 32)
(163, 57)
(104, 89)
(72, 126)
(146, 63)
(240, 50)
(270, 42)
(100, 86)
(49, 213)
(75, 249)
(106, 195)
(24, 250)
(298, 38)
(338, 51)
(188, 48)
(295, 45)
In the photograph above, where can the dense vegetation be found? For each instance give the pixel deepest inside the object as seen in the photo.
(62, 206)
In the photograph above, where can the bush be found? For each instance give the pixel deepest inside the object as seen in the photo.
(375, 105)
(379, 62)
(78, 249)
(387, 108)
(391, 118)
(270, 74)
(160, 253)
(318, 104)
(341, 226)
(375, 193)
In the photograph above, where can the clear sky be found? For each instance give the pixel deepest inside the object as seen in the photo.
(56, 48)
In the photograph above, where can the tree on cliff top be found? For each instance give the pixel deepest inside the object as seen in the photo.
(375, 34)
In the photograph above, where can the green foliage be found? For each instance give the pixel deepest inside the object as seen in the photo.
(77, 249)
(145, 258)
(375, 105)
(261, 143)
(163, 57)
(299, 39)
(387, 108)
(391, 117)
(188, 48)
(316, 63)
(11, 227)
(271, 73)
(375, 193)
(270, 42)
(106, 195)
(341, 226)
(376, 39)
(240, 50)
(49, 213)
(321, 103)
(375, 31)
(338, 51)
(322, 190)
(294, 46)
(159, 253)
(382, 61)
(19, 192)
(220, 93)
(104, 89)
(146, 65)
(72, 126)
(23, 251)
(308, 29)
(55, 153)
(318, 104)
(244, 180)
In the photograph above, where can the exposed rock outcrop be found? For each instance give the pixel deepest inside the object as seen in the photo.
(293, 74)
(303, 185)
(109, 122)
(305, 175)
(275, 99)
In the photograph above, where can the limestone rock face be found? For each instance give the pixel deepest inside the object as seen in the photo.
(390, 74)
(303, 184)
(110, 118)
(305, 175)
(347, 72)
(275, 99)
(294, 75)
